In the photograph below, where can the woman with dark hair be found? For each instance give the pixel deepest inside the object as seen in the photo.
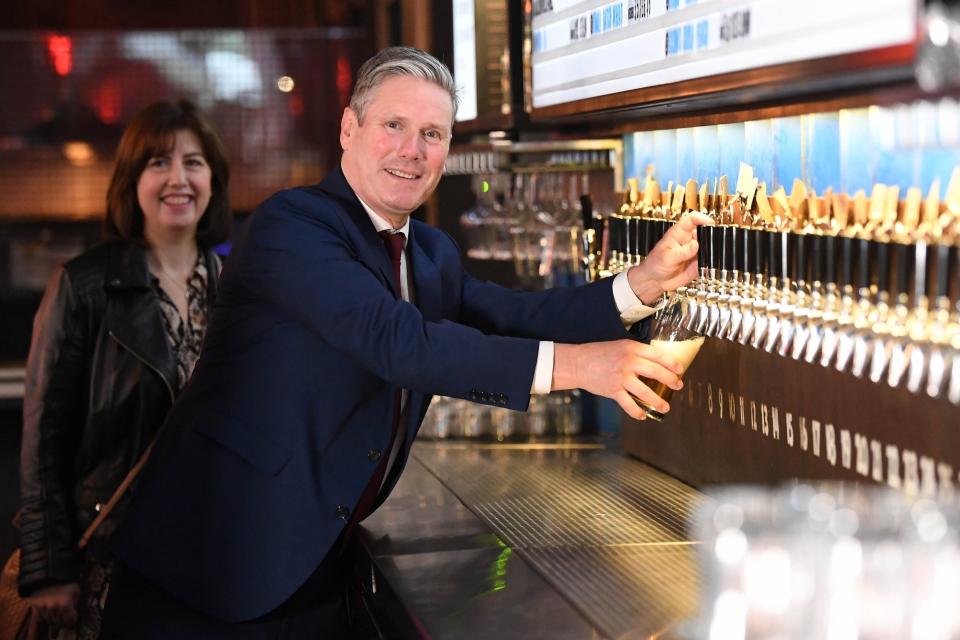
(115, 339)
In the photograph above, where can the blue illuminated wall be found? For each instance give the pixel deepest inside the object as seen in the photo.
(907, 145)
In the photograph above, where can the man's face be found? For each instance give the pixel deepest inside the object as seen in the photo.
(394, 160)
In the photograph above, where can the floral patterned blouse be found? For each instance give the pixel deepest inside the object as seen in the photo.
(185, 337)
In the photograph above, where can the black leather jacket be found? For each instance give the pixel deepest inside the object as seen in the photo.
(101, 377)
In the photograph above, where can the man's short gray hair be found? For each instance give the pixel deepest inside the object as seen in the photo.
(399, 61)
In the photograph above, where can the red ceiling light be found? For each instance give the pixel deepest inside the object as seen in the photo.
(108, 101)
(344, 79)
(61, 53)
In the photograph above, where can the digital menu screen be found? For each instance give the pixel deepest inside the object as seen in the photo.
(588, 48)
(465, 58)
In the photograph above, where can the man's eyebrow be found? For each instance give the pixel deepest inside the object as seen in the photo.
(406, 120)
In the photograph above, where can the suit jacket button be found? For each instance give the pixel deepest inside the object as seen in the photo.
(342, 512)
(373, 455)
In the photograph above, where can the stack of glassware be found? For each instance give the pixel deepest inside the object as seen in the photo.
(558, 413)
(827, 561)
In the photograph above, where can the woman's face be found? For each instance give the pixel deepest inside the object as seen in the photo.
(174, 189)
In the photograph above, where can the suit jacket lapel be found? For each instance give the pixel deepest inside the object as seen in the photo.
(426, 279)
(371, 249)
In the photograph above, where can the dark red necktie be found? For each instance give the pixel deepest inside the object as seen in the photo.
(394, 244)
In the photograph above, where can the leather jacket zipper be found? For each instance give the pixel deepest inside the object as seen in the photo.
(148, 365)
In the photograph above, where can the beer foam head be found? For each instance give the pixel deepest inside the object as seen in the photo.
(683, 351)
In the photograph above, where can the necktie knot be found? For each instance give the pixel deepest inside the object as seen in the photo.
(394, 244)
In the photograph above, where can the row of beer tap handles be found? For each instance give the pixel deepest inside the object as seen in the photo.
(867, 285)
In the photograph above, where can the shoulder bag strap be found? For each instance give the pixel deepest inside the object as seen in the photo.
(117, 495)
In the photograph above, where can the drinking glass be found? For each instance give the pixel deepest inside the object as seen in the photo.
(669, 335)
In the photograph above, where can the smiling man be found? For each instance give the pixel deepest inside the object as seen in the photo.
(394, 148)
(338, 318)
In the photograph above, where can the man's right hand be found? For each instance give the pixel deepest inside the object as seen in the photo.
(612, 370)
(56, 605)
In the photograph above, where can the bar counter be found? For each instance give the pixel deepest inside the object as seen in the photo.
(550, 540)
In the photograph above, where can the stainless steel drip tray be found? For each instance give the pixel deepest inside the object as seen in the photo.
(587, 543)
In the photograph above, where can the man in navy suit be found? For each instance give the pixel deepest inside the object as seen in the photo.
(338, 317)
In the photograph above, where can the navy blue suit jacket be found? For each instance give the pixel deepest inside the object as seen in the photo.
(245, 493)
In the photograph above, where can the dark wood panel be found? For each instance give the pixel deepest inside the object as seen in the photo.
(779, 405)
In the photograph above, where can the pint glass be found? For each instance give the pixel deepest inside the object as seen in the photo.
(669, 335)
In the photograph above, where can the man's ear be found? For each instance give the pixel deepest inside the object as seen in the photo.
(348, 126)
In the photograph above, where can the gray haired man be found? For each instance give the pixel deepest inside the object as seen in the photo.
(338, 318)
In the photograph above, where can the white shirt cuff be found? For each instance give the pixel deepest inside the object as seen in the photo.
(543, 374)
(628, 304)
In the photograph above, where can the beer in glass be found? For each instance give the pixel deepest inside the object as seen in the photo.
(669, 335)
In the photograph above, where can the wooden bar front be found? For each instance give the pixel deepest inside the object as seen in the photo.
(747, 416)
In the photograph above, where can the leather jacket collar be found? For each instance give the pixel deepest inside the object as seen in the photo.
(127, 269)
(133, 320)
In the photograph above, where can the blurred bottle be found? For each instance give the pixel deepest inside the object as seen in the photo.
(564, 412)
(477, 222)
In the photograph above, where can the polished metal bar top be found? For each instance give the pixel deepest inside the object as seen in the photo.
(537, 541)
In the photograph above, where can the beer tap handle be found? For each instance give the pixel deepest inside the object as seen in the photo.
(830, 259)
(716, 260)
(643, 237)
(703, 257)
(927, 272)
(952, 290)
(619, 243)
(640, 230)
(749, 251)
(704, 244)
(737, 249)
(902, 266)
(881, 274)
(628, 237)
(817, 243)
(920, 264)
(622, 236)
(650, 235)
(785, 243)
(775, 255)
(640, 236)
(646, 235)
(726, 262)
(761, 260)
(613, 223)
(938, 273)
(863, 264)
(800, 263)
(846, 261)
